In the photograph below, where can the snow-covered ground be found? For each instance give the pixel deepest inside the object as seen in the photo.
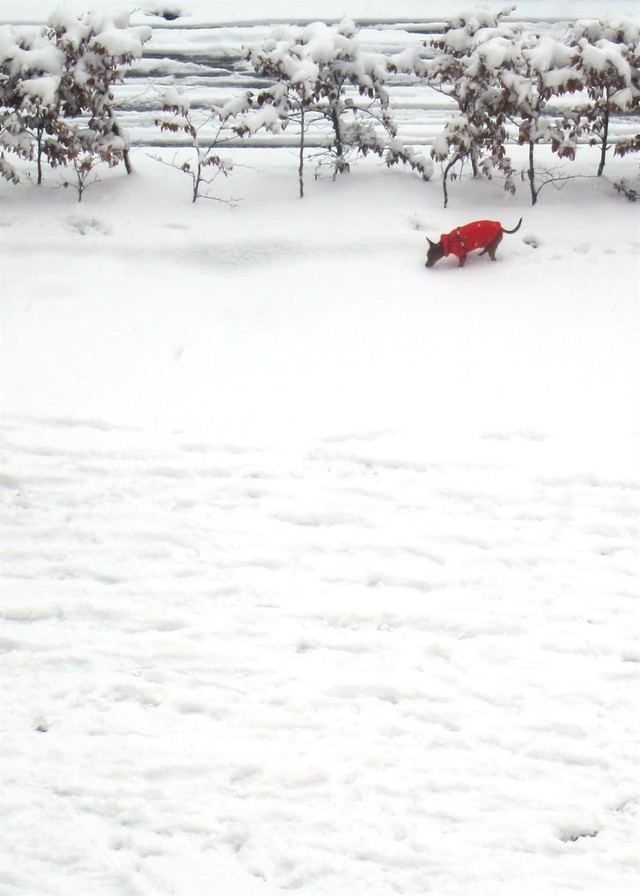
(277, 318)
(318, 568)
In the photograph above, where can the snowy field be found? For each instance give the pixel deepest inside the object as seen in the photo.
(318, 568)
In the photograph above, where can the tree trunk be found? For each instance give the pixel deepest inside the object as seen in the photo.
(40, 151)
(532, 175)
(115, 127)
(445, 175)
(474, 163)
(335, 121)
(605, 136)
(301, 159)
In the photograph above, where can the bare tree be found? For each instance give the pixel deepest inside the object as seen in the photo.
(207, 163)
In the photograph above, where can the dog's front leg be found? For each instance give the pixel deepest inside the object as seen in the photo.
(463, 258)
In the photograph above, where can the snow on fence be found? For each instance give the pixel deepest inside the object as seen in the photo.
(209, 62)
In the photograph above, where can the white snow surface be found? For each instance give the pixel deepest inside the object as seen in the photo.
(294, 10)
(318, 569)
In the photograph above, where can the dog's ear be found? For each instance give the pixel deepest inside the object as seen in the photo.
(429, 241)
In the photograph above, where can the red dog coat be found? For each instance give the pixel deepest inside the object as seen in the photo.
(472, 236)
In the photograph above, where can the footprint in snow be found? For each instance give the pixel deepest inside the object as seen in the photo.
(572, 835)
(88, 226)
(169, 13)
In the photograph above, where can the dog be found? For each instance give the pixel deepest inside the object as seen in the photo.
(485, 235)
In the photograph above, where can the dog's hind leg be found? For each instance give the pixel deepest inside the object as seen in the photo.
(491, 248)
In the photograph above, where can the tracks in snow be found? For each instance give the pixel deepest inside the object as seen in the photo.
(346, 667)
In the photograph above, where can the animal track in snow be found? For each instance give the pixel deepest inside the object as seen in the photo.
(249, 640)
(88, 226)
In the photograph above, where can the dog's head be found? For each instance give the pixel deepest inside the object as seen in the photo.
(434, 253)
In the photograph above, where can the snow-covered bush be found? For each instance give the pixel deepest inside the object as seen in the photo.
(540, 70)
(31, 72)
(97, 50)
(465, 68)
(208, 163)
(289, 99)
(608, 58)
(56, 98)
(509, 83)
(322, 73)
(316, 70)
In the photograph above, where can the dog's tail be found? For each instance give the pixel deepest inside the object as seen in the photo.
(517, 227)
